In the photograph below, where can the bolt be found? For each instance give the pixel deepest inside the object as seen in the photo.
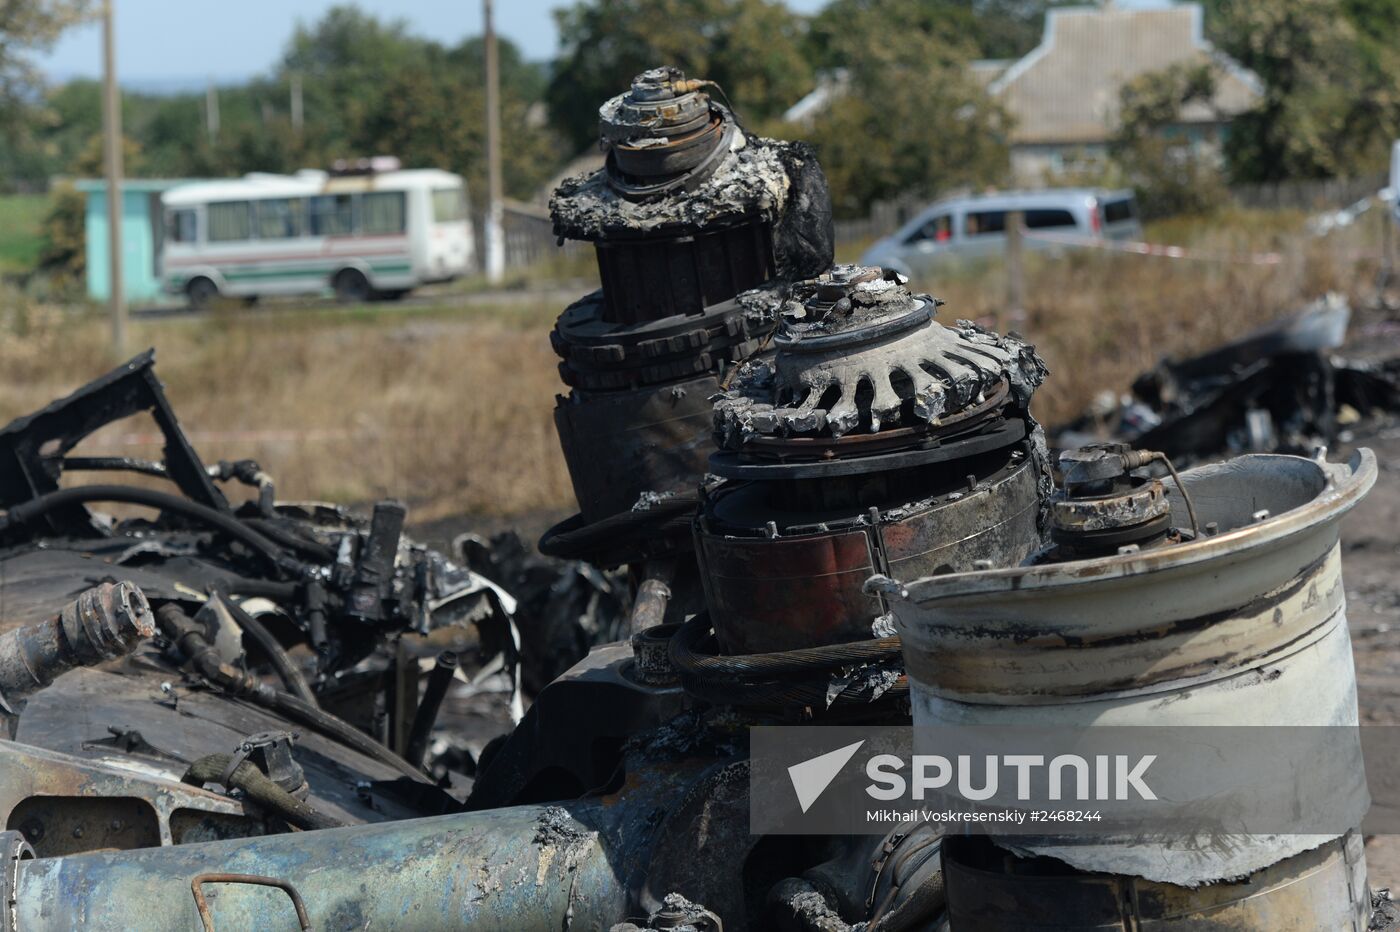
(117, 825)
(1212, 528)
(1261, 515)
(78, 831)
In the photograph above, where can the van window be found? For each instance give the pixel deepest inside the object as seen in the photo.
(449, 205)
(332, 215)
(279, 218)
(1120, 210)
(382, 212)
(939, 229)
(230, 221)
(1048, 219)
(984, 222)
(180, 226)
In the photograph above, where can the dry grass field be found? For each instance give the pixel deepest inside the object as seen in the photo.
(448, 405)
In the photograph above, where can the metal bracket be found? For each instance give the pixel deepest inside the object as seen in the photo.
(197, 888)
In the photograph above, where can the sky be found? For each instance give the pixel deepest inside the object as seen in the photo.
(176, 45)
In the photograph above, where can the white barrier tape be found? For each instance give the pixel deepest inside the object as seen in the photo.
(227, 436)
(1137, 248)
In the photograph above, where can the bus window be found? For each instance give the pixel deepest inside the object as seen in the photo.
(279, 218)
(332, 215)
(382, 212)
(180, 226)
(449, 205)
(230, 221)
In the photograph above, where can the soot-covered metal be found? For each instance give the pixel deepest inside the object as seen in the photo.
(832, 504)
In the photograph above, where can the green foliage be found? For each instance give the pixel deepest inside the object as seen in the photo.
(20, 218)
(63, 254)
(911, 120)
(27, 26)
(752, 48)
(1172, 173)
(1331, 72)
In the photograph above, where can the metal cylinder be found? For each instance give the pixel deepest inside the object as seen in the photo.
(777, 579)
(621, 444)
(991, 891)
(1180, 635)
(520, 869)
(101, 624)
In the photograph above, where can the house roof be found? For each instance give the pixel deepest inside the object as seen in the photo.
(1067, 89)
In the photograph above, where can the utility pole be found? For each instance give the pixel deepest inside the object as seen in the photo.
(112, 142)
(211, 111)
(1015, 269)
(495, 234)
(297, 112)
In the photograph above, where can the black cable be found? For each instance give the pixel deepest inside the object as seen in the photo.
(114, 464)
(571, 539)
(783, 680)
(321, 553)
(26, 512)
(286, 668)
(189, 638)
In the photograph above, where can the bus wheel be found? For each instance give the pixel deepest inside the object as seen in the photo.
(351, 287)
(201, 292)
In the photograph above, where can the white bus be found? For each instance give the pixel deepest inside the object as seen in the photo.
(367, 235)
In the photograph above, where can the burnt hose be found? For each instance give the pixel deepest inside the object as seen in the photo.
(259, 788)
(189, 638)
(277, 655)
(783, 680)
(26, 512)
(101, 624)
(426, 716)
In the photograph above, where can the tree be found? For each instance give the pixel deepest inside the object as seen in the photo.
(1331, 103)
(27, 26)
(911, 119)
(751, 48)
(1171, 173)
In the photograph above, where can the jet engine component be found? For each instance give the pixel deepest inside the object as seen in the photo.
(878, 440)
(1245, 627)
(101, 624)
(689, 212)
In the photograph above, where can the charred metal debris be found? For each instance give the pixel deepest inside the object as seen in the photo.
(1284, 388)
(805, 497)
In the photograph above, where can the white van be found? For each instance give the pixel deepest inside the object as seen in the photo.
(363, 234)
(974, 226)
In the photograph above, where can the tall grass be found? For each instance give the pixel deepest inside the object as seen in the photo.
(450, 407)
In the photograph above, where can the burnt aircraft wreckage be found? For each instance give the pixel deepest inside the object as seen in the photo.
(836, 508)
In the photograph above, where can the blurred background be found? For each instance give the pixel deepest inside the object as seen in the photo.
(1255, 138)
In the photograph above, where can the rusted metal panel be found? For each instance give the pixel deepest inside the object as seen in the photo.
(783, 594)
(804, 589)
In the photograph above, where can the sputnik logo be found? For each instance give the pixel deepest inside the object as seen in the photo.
(811, 777)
